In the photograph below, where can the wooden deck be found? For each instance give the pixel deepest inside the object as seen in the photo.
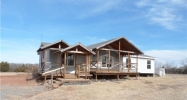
(67, 76)
(112, 72)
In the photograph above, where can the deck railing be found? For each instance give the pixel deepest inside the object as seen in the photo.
(114, 66)
(80, 68)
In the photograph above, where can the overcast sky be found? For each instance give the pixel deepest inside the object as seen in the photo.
(158, 28)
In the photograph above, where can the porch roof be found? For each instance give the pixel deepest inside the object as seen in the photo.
(77, 48)
(114, 44)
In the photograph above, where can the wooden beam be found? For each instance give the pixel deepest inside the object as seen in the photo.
(108, 60)
(119, 55)
(45, 79)
(64, 64)
(51, 78)
(80, 52)
(59, 46)
(97, 59)
(61, 64)
(89, 63)
(76, 49)
(117, 50)
(136, 65)
(128, 62)
(54, 48)
(74, 61)
(86, 66)
(96, 76)
(78, 71)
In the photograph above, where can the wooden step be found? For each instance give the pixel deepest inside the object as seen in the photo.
(70, 76)
(80, 81)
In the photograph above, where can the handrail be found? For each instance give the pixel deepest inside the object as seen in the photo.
(52, 71)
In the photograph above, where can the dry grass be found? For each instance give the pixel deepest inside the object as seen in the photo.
(172, 87)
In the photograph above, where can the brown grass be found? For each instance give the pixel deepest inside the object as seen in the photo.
(171, 87)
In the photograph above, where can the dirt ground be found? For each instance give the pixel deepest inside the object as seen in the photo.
(15, 86)
(170, 87)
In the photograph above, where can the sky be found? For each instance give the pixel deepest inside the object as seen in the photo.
(156, 27)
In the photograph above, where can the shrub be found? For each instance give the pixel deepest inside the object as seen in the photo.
(4, 67)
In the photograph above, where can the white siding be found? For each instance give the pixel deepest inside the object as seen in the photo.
(142, 64)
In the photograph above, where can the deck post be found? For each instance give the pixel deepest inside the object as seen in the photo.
(51, 78)
(96, 76)
(128, 62)
(108, 60)
(97, 59)
(119, 55)
(74, 56)
(136, 65)
(88, 63)
(61, 63)
(45, 79)
(78, 71)
(118, 76)
(86, 66)
(64, 64)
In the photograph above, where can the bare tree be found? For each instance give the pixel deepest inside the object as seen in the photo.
(184, 66)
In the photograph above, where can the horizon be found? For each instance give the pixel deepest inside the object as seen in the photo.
(157, 28)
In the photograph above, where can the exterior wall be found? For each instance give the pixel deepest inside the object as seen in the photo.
(142, 64)
(54, 58)
(113, 54)
(40, 60)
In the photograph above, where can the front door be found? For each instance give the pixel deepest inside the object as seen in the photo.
(70, 64)
(105, 61)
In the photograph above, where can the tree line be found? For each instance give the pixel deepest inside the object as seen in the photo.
(15, 67)
(171, 68)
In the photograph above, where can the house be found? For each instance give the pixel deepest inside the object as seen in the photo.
(117, 57)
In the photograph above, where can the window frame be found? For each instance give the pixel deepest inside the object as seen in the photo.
(148, 64)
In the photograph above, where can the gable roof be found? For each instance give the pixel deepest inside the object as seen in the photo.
(46, 45)
(102, 44)
(78, 44)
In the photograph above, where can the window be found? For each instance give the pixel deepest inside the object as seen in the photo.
(70, 59)
(148, 64)
(105, 61)
(127, 61)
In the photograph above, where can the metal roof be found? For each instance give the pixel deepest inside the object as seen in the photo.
(46, 45)
(102, 44)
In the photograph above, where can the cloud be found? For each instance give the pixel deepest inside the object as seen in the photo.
(97, 7)
(168, 56)
(163, 12)
(93, 40)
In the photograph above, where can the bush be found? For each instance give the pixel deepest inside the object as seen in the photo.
(4, 67)
(21, 69)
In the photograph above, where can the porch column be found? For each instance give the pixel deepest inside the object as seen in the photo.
(86, 67)
(97, 59)
(119, 56)
(61, 63)
(108, 60)
(75, 62)
(128, 62)
(64, 64)
(136, 65)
